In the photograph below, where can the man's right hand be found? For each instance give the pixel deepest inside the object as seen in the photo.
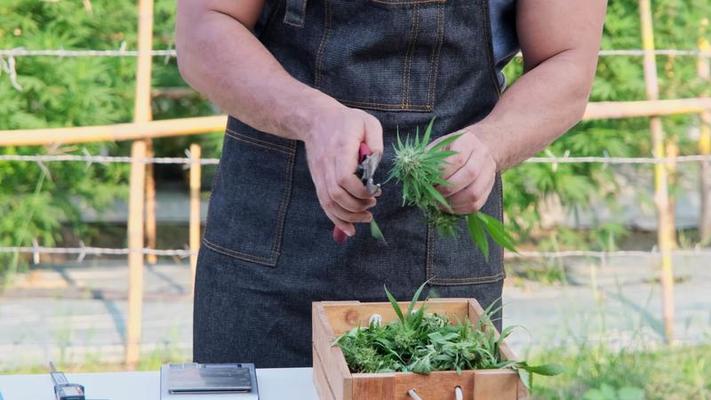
(332, 146)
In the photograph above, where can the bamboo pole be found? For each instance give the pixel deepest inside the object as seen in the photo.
(199, 125)
(195, 181)
(135, 256)
(142, 190)
(648, 108)
(704, 73)
(665, 216)
(116, 132)
(142, 112)
(151, 230)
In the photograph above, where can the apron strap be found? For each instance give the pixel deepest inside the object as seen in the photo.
(295, 13)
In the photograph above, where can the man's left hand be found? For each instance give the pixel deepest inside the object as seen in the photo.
(470, 173)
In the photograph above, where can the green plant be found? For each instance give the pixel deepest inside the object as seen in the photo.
(418, 167)
(423, 342)
(638, 371)
(43, 202)
(607, 392)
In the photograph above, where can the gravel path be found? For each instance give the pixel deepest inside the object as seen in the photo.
(76, 313)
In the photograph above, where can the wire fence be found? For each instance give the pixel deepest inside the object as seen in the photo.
(91, 159)
(123, 52)
(8, 65)
(83, 251)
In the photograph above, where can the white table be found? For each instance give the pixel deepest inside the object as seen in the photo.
(274, 384)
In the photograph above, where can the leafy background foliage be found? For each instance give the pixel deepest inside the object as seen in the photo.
(43, 204)
(579, 186)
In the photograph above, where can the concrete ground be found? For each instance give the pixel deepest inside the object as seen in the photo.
(77, 312)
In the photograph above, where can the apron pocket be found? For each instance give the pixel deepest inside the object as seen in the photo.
(250, 196)
(457, 260)
(381, 54)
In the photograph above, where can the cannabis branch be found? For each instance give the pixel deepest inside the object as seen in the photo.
(418, 167)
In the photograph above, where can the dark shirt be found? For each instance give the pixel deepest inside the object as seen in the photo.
(503, 34)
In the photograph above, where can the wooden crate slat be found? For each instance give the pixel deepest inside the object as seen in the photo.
(373, 386)
(343, 316)
(334, 363)
(496, 385)
(439, 385)
(323, 389)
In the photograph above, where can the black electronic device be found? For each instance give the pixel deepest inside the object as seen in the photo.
(189, 381)
(63, 390)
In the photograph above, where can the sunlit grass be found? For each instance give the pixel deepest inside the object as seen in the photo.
(598, 372)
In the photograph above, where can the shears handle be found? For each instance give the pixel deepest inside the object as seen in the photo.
(338, 235)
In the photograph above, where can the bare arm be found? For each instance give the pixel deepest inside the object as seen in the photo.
(560, 41)
(220, 57)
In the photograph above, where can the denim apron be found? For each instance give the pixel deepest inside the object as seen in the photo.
(267, 250)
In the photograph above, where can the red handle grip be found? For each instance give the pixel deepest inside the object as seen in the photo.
(338, 235)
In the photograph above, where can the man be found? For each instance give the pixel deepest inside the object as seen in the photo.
(305, 82)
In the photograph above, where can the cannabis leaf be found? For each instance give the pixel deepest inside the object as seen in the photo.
(418, 167)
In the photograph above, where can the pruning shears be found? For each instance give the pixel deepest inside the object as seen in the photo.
(367, 164)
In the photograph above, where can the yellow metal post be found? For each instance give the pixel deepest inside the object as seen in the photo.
(142, 112)
(666, 236)
(195, 180)
(138, 190)
(135, 255)
(704, 73)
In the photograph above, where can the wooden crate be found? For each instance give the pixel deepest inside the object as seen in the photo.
(334, 381)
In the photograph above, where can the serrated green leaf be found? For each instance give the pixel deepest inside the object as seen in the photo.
(476, 232)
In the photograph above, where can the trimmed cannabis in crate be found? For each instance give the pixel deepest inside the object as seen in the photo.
(423, 342)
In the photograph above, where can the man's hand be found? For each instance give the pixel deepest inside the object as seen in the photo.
(332, 146)
(470, 174)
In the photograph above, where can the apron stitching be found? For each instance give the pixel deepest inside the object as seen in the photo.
(468, 281)
(281, 218)
(238, 254)
(322, 45)
(407, 2)
(434, 65)
(391, 106)
(429, 254)
(411, 44)
(257, 142)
